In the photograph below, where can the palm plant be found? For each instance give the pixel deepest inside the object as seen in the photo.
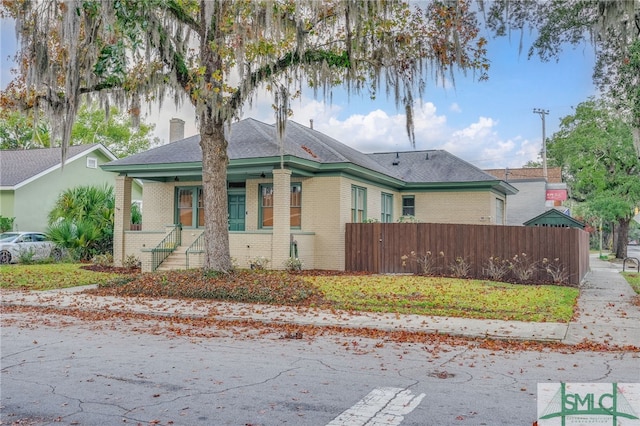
(82, 220)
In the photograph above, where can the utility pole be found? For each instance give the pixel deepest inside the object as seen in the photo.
(543, 113)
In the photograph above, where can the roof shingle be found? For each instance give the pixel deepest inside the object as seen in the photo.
(250, 138)
(19, 165)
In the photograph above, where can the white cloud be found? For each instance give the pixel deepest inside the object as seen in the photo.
(454, 107)
(378, 131)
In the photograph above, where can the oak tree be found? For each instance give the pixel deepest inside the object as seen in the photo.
(218, 54)
(600, 164)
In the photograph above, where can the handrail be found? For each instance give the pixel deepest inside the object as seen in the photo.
(167, 246)
(196, 247)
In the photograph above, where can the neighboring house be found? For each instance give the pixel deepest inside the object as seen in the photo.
(536, 194)
(327, 184)
(32, 179)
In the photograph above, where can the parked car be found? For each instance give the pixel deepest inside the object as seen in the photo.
(13, 245)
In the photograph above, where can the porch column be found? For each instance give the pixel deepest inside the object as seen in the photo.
(281, 218)
(122, 217)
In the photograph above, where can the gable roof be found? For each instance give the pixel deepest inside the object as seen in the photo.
(554, 217)
(21, 166)
(254, 144)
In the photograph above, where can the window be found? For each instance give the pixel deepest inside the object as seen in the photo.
(408, 205)
(200, 210)
(296, 205)
(499, 211)
(92, 163)
(266, 206)
(358, 203)
(387, 208)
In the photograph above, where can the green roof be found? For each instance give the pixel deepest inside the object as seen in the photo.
(555, 218)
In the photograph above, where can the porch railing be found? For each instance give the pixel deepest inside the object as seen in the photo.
(196, 247)
(166, 247)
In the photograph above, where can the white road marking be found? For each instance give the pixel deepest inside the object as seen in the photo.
(382, 406)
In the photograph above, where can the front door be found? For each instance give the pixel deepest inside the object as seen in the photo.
(236, 211)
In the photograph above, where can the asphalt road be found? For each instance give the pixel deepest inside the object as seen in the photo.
(67, 371)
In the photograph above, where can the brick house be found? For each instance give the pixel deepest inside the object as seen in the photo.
(324, 185)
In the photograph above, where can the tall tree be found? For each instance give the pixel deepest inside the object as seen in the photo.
(216, 54)
(611, 26)
(114, 131)
(601, 166)
(19, 131)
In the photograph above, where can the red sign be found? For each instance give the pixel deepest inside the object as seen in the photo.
(556, 194)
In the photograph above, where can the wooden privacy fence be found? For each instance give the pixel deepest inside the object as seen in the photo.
(379, 247)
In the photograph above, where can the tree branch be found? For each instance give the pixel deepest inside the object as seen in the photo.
(289, 60)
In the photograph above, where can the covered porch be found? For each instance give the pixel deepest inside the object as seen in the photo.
(171, 236)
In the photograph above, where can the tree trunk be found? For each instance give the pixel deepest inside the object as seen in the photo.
(623, 238)
(214, 186)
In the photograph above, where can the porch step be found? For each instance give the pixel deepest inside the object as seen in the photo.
(178, 260)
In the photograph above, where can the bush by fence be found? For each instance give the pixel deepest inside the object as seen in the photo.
(380, 247)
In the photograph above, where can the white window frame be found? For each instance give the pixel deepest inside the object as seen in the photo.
(386, 215)
(500, 210)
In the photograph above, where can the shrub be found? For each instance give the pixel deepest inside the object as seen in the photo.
(408, 219)
(522, 268)
(259, 262)
(26, 256)
(136, 213)
(82, 220)
(496, 268)
(557, 272)
(131, 261)
(426, 262)
(460, 268)
(102, 259)
(6, 223)
(81, 238)
(293, 264)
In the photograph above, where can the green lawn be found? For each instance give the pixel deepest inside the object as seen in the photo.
(410, 294)
(403, 294)
(49, 276)
(633, 278)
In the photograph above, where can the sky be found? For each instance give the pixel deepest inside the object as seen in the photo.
(490, 124)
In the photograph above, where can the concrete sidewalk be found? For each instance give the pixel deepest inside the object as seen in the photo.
(606, 314)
